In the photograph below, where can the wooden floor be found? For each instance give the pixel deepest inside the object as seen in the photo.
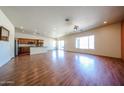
(62, 68)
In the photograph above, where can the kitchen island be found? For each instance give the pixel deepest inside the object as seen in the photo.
(38, 50)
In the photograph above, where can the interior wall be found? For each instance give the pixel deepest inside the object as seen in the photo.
(48, 42)
(107, 41)
(122, 40)
(6, 47)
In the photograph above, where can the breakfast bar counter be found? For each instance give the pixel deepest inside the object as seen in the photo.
(38, 50)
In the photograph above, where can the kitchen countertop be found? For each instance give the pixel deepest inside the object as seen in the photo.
(38, 50)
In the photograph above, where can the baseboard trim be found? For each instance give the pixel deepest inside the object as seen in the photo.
(7, 62)
(93, 54)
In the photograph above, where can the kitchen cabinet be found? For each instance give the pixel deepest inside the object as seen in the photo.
(36, 42)
(23, 45)
(24, 50)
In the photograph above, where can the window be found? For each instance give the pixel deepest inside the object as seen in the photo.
(61, 44)
(54, 44)
(91, 42)
(86, 42)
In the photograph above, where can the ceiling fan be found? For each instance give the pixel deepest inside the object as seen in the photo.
(76, 28)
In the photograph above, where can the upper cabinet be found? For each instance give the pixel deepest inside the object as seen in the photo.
(4, 34)
(36, 42)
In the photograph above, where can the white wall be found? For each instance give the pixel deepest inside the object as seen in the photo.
(6, 47)
(107, 41)
(48, 42)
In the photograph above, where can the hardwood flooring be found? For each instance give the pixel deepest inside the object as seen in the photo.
(62, 68)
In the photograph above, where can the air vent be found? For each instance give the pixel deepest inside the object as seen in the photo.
(67, 19)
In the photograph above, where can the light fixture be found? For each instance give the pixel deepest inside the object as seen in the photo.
(21, 27)
(105, 22)
(54, 28)
(34, 33)
(35, 30)
(76, 28)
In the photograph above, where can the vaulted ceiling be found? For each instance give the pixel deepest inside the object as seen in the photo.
(50, 20)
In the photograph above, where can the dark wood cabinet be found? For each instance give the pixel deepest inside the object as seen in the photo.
(24, 50)
(39, 43)
(36, 42)
(24, 45)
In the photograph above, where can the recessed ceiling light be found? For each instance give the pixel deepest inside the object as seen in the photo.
(21, 27)
(34, 33)
(35, 30)
(54, 28)
(105, 22)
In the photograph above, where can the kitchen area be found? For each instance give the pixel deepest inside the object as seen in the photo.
(27, 46)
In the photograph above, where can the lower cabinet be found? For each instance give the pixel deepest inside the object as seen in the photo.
(24, 51)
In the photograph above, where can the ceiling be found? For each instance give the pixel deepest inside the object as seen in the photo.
(50, 20)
